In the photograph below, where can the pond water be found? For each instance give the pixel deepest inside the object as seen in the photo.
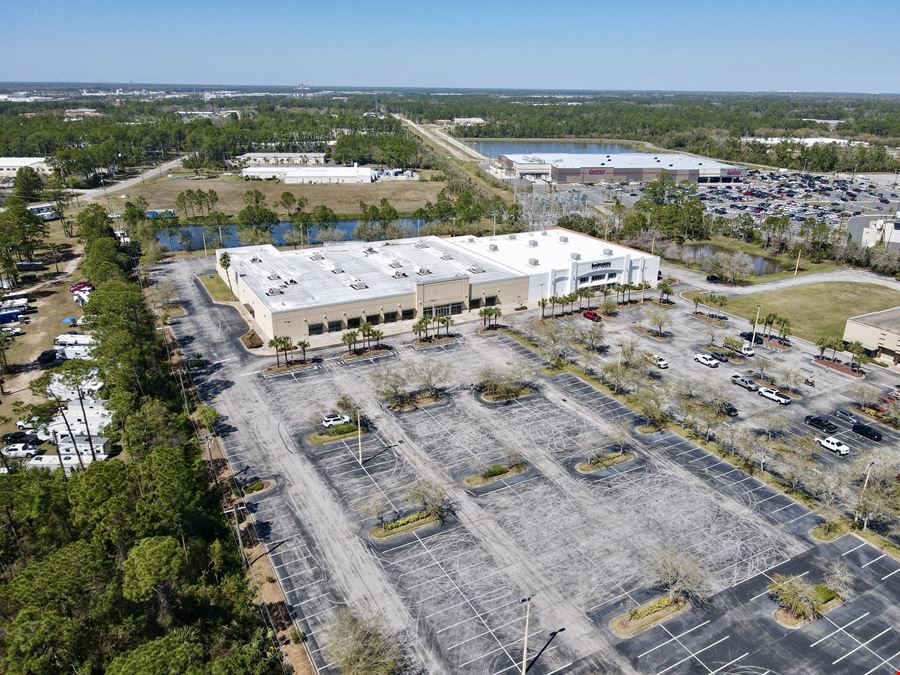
(171, 239)
(699, 253)
(494, 147)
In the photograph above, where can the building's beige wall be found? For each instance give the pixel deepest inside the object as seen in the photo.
(885, 343)
(429, 294)
(507, 291)
(295, 324)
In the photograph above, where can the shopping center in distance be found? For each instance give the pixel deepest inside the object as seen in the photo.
(298, 293)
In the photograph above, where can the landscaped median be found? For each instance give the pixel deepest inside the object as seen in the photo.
(218, 290)
(647, 615)
(336, 433)
(496, 472)
(405, 524)
(604, 461)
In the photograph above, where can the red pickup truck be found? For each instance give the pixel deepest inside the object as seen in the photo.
(591, 315)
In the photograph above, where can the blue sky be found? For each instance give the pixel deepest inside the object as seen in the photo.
(622, 44)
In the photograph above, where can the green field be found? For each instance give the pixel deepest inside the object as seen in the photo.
(815, 310)
(217, 289)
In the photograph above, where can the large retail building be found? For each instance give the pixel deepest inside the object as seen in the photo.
(625, 167)
(879, 334)
(341, 286)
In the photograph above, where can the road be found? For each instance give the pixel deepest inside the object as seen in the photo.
(162, 169)
(457, 149)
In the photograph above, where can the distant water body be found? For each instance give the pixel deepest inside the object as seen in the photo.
(493, 148)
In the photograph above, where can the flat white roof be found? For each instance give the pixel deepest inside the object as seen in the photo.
(281, 154)
(21, 161)
(622, 160)
(366, 271)
(309, 170)
(553, 249)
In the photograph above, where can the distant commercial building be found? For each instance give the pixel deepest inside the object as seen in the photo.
(808, 142)
(281, 158)
(10, 165)
(468, 121)
(878, 332)
(341, 286)
(626, 167)
(869, 231)
(312, 174)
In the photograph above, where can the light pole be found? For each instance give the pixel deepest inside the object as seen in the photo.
(862, 496)
(755, 321)
(359, 435)
(527, 602)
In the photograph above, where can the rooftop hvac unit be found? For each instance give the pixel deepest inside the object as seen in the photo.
(423, 270)
(399, 275)
(421, 244)
(534, 262)
(575, 256)
(396, 264)
(369, 250)
(256, 259)
(274, 277)
(476, 269)
(607, 251)
(493, 247)
(338, 270)
(292, 281)
(317, 256)
(446, 256)
(471, 240)
(532, 242)
(275, 291)
(512, 236)
(563, 239)
(544, 233)
(358, 286)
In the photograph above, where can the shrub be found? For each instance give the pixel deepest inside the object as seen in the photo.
(255, 486)
(493, 471)
(657, 605)
(270, 579)
(341, 429)
(252, 340)
(411, 518)
(824, 594)
(298, 636)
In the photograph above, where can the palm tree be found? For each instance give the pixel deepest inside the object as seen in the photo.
(419, 326)
(302, 345)
(225, 263)
(823, 343)
(484, 313)
(495, 314)
(553, 302)
(665, 289)
(349, 338)
(275, 343)
(376, 335)
(542, 303)
(287, 346)
(366, 332)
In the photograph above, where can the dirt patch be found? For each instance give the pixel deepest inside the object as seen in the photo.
(279, 370)
(479, 479)
(718, 323)
(434, 342)
(405, 196)
(839, 367)
(603, 462)
(650, 333)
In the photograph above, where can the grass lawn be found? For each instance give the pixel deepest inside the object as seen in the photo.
(815, 310)
(405, 196)
(218, 289)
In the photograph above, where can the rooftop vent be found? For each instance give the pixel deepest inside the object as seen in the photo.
(256, 259)
(292, 281)
(317, 256)
(532, 242)
(274, 277)
(512, 236)
(534, 262)
(275, 291)
(446, 256)
(493, 247)
(544, 233)
(563, 239)
(475, 269)
(338, 270)
(358, 286)
(396, 264)
(423, 271)
(607, 251)
(421, 244)
(471, 240)
(575, 256)
(369, 250)
(399, 275)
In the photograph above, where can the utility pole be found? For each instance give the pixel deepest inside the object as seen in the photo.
(797, 266)
(527, 602)
(359, 435)
(755, 321)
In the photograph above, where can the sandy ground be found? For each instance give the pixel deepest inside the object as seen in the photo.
(405, 196)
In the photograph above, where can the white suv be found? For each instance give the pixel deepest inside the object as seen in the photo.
(335, 419)
(20, 450)
(658, 361)
(706, 360)
(835, 445)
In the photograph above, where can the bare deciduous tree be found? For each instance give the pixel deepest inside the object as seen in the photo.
(682, 575)
(361, 646)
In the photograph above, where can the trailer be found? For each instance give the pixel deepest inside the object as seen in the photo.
(11, 316)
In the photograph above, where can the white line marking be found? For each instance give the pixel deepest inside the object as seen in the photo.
(729, 663)
(673, 638)
(839, 629)
(853, 549)
(861, 645)
(876, 560)
(693, 655)
(766, 592)
(883, 662)
(890, 574)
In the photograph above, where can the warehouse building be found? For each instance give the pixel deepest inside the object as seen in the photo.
(341, 286)
(880, 230)
(311, 174)
(879, 334)
(281, 159)
(626, 167)
(10, 165)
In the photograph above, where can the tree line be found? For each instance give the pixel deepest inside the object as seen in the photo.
(128, 565)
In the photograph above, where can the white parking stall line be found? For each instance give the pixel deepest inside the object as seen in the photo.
(315, 597)
(693, 655)
(311, 583)
(482, 634)
(738, 482)
(861, 645)
(786, 506)
(310, 616)
(890, 574)
(875, 560)
(839, 629)
(502, 646)
(453, 625)
(800, 517)
(766, 592)
(297, 574)
(455, 571)
(673, 638)
(853, 549)
(884, 662)
(728, 664)
(762, 501)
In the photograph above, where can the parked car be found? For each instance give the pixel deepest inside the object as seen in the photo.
(846, 415)
(591, 315)
(658, 361)
(821, 423)
(750, 338)
(835, 445)
(867, 430)
(80, 286)
(719, 356)
(27, 425)
(48, 358)
(13, 330)
(745, 382)
(335, 419)
(19, 437)
(20, 450)
(774, 395)
(747, 350)
(729, 409)
(706, 360)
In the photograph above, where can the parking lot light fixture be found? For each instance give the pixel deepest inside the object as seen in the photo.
(862, 496)
(527, 602)
(359, 435)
